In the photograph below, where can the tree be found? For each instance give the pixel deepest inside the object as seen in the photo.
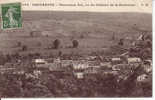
(8, 58)
(16, 55)
(149, 44)
(148, 37)
(19, 44)
(59, 53)
(121, 42)
(2, 59)
(32, 34)
(39, 44)
(24, 48)
(113, 36)
(56, 43)
(82, 36)
(75, 43)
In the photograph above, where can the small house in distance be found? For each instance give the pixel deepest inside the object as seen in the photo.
(115, 61)
(134, 60)
(40, 63)
(79, 75)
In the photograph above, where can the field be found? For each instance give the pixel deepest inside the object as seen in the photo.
(94, 31)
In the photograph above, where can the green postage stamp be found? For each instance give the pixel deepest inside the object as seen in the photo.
(11, 15)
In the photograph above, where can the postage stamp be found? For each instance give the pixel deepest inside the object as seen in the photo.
(11, 15)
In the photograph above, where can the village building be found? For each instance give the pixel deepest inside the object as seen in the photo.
(93, 63)
(57, 60)
(106, 65)
(133, 60)
(120, 67)
(66, 63)
(40, 63)
(142, 78)
(147, 65)
(77, 65)
(55, 67)
(91, 58)
(106, 72)
(79, 75)
(21, 72)
(116, 61)
(91, 70)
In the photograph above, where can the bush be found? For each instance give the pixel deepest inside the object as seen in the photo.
(32, 34)
(121, 42)
(19, 44)
(56, 43)
(24, 48)
(75, 43)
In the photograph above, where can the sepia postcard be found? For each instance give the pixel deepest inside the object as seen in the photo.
(76, 49)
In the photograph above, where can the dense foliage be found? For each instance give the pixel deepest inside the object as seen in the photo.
(58, 84)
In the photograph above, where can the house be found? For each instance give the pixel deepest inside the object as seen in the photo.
(148, 62)
(29, 76)
(77, 65)
(142, 78)
(147, 66)
(93, 63)
(40, 61)
(90, 58)
(106, 64)
(122, 67)
(91, 70)
(109, 72)
(55, 67)
(6, 70)
(116, 61)
(133, 60)
(57, 60)
(37, 73)
(50, 60)
(21, 72)
(66, 63)
(79, 75)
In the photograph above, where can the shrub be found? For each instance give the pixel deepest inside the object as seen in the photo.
(56, 43)
(75, 43)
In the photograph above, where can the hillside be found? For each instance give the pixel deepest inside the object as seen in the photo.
(97, 28)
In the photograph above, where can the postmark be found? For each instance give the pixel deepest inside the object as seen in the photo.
(11, 16)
